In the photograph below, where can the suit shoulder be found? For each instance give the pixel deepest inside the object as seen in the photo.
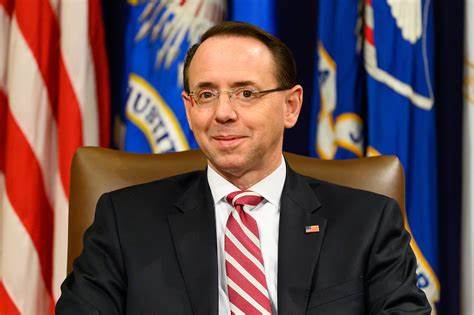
(336, 188)
(165, 190)
(347, 197)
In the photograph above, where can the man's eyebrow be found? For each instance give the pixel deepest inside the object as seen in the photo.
(202, 85)
(243, 83)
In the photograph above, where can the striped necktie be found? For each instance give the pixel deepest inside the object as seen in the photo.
(246, 284)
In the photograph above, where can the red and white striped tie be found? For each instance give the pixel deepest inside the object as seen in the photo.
(246, 284)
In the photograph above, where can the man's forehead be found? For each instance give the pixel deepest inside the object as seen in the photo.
(221, 43)
(233, 58)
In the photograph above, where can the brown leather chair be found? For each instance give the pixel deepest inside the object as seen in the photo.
(98, 170)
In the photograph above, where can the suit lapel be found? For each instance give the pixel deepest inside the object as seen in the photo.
(298, 252)
(194, 237)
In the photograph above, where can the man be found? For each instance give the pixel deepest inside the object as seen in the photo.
(248, 235)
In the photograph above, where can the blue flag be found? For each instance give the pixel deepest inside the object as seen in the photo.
(401, 118)
(257, 12)
(337, 131)
(391, 96)
(158, 34)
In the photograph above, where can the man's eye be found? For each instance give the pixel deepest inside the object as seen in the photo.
(246, 93)
(206, 95)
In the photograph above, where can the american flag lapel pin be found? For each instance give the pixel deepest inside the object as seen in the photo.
(311, 229)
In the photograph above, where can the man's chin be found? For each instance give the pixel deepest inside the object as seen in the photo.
(231, 164)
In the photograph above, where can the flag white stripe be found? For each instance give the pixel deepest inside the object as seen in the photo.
(369, 16)
(61, 212)
(244, 251)
(247, 297)
(21, 271)
(89, 109)
(77, 56)
(247, 232)
(2, 220)
(245, 273)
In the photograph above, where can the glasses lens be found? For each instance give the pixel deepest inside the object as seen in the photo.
(205, 96)
(244, 95)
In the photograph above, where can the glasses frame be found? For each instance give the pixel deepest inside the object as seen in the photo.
(258, 94)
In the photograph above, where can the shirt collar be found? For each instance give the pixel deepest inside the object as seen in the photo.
(269, 188)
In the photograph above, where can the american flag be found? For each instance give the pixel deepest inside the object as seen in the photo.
(311, 228)
(54, 97)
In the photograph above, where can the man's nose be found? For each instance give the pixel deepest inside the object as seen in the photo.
(225, 109)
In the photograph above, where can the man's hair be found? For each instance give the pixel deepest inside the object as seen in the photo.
(285, 64)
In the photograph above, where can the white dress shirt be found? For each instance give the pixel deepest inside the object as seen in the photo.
(267, 215)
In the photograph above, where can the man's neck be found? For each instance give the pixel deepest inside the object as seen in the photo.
(246, 179)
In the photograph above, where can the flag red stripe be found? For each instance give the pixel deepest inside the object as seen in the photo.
(24, 185)
(241, 303)
(52, 306)
(69, 122)
(245, 262)
(369, 35)
(99, 55)
(247, 286)
(237, 231)
(7, 306)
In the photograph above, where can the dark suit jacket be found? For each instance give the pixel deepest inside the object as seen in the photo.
(152, 250)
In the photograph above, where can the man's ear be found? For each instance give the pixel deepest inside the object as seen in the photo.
(188, 104)
(293, 102)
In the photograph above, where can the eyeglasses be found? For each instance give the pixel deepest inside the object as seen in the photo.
(240, 95)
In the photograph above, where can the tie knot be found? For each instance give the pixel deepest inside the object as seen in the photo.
(246, 198)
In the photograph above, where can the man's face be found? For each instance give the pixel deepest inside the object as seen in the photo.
(239, 139)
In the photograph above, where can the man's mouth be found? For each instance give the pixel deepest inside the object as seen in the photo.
(228, 141)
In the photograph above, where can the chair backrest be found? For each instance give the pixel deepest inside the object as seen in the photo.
(97, 170)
